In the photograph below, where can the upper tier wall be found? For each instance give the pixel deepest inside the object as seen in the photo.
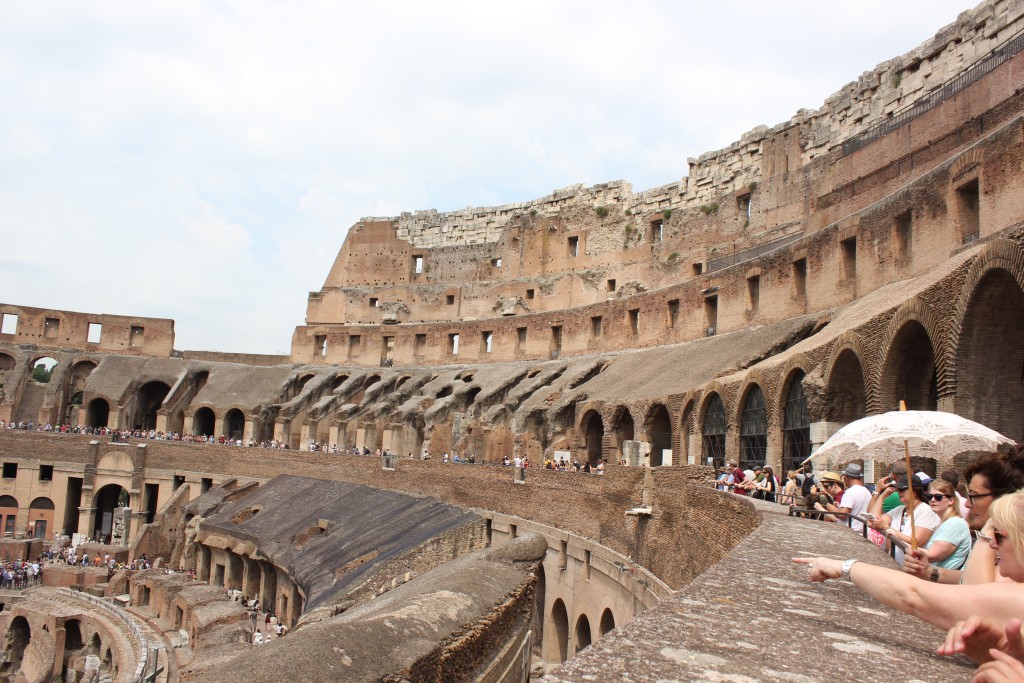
(86, 331)
(874, 97)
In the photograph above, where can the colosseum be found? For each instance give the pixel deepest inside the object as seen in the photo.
(811, 273)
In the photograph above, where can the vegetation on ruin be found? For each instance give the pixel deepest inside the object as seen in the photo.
(41, 374)
(752, 186)
(601, 211)
(667, 213)
(673, 256)
(708, 209)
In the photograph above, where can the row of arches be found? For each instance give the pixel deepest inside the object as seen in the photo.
(581, 632)
(40, 516)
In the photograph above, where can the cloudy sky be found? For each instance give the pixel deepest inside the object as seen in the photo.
(202, 161)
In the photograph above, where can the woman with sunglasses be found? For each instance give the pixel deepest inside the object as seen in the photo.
(942, 605)
(896, 523)
(950, 543)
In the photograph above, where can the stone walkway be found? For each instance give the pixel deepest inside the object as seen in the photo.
(755, 617)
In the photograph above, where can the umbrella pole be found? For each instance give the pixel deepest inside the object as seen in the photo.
(911, 498)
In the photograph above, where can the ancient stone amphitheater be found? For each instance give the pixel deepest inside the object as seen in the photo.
(814, 272)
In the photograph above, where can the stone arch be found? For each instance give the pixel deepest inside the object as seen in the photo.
(106, 500)
(795, 421)
(234, 424)
(76, 382)
(48, 363)
(560, 630)
(73, 643)
(583, 636)
(8, 514)
(97, 414)
(914, 317)
(40, 517)
(607, 622)
(753, 420)
(19, 635)
(908, 371)
(7, 362)
(845, 395)
(623, 426)
(148, 400)
(203, 421)
(988, 356)
(658, 426)
(539, 598)
(592, 428)
(714, 426)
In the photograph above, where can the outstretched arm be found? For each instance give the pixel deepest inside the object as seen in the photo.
(938, 604)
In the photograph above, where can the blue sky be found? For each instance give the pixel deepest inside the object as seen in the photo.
(202, 161)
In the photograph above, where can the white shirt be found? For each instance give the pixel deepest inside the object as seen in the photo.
(856, 498)
(924, 517)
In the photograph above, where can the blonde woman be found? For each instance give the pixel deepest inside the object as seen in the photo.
(950, 543)
(789, 491)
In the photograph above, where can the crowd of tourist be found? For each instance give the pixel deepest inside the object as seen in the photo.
(757, 482)
(973, 589)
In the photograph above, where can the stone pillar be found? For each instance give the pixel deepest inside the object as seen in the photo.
(251, 580)
(114, 417)
(303, 438)
(161, 422)
(333, 438)
(247, 431)
(188, 426)
(218, 426)
(86, 521)
(281, 430)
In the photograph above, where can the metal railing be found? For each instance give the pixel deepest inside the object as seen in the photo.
(752, 252)
(998, 56)
(819, 515)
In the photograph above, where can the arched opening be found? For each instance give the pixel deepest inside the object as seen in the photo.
(796, 424)
(753, 429)
(990, 358)
(624, 428)
(909, 371)
(658, 426)
(582, 633)
(40, 517)
(593, 429)
(97, 414)
(19, 635)
(106, 501)
(713, 432)
(147, 402)
(8, 514)
(607, 622)
(203, 422)
(75, 390)
(560, 621)
(6, 362)
(685, 432)
(73, 642)
(42, 369)
(95, 644)
(844, 395)
(234, 424)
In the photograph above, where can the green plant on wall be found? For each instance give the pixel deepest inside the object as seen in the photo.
(673, 256)
(709, 209)
(752, 186)
(630, 228)
(667, 213)
(896, 80)
(601, 211)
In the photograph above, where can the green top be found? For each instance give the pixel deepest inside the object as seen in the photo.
(891, 501)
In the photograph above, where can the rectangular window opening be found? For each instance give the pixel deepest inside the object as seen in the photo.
(529, 294)
(903, 234)
(743, 207)
(485, 341)
(673, 313)
(710, 316)
(417, 264)
(563, 556)
(449, 299)
(421, 344)
(595, 326)
(698, 268)
(800, 277)
(453, 344)
(205, 485)
(520, 339)
(848, 248)
(320, 345)
(969, 209)
(51, 327)
(353, 345)
(137, 337)
(586, 565)
(657, 228)
(611, 285)
(634, 321)
(46, 473)
(574, 246)
(9, 324)
(374, 303)
(496, 262)
(177, 482)
(10, 470)
(95, 333)
(387, 350)
(556, 340)
(754, 292)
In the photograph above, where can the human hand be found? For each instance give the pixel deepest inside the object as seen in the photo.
(821, 568)
(975, 637)
(916, 563)
(877, 524)
(1002, 669)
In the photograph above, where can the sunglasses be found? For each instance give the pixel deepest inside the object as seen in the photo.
(936, 496)
(972, 496)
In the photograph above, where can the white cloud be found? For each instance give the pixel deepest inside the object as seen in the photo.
(202, 160)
